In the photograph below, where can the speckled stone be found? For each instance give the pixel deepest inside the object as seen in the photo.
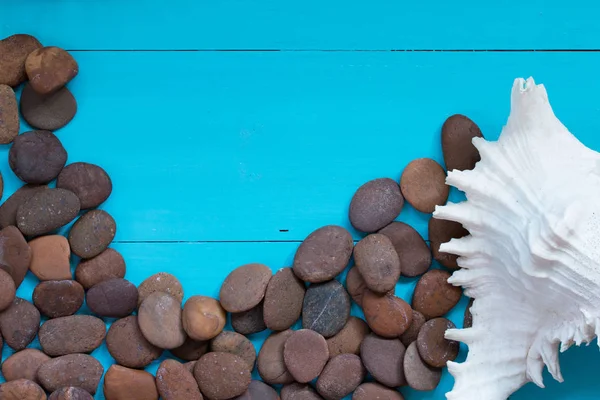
(15, 254)
(326, 308)
(46, 211)
(92, 233)
(19, 324)
(37, 157)
(13, 53)
(175, 382)
(283, 300)
(128, 346)
(89, 182)
(244, 287)
(222, 376)
(81, 370)
(58, 298)
(341, 376)
(375, 204)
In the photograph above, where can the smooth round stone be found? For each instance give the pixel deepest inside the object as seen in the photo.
(175, 382)
(58, 298)
(23, 364)
(191, 350)
(37, 157)
(244, 287)
(21, 389)
(340, 377)
(13, 53)
(372, 390)
(355, 284)
(349, 339)
(270, 362)
(305, 354)
(378, 263)
(388, 316)
(299, 391)
(384, 358)
(8, 209)
(89, 182)
(92, 233)
(324, 254)
(128, 346)
(47, 111)
(419, 375)
(50, 258)
(423, 185)
(410, 335)
(114, 298)
(7, 290)
(433, 347)
(46, 211)
(72, 334)
(414, 255)
(159, 317)
(442, 231)
(122, 383)
(19, 324)
(468, 317)
(50, 68)
(433, 295)
(70, 393)
(107, 265)
(326, 308)
(234, 343)
(458, 132)
(283, 300)
(15, 254)
(9, 124)
(249, 322)
(203, 317)
(259, 391)
(375, 204)
(222, 376)
(81, 370)
(161, 282)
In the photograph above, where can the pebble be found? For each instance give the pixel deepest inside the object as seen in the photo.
(423, 185)
(8, 209)
(324, 254)
(37, 157)
(383, 358)
(349, 339)
(433, 347)
(50, 258)
(203, 317)
(114, 298)
(21, 389)
(388, 316)
(305, 354)
(50, 68)
(414, 255)
(23, 364)
(70, 393)
(175, 382)
(326, 308)
(128, 346)
(299, 391)
(235, 343)
(47, 111)
(13, 53)
(89, 182)
(7, 290)
(270, 362)
(259, 391)
(419, 375)
(222, 376)
(159, 318)
(441, 231)
(244, 287)
(161, 282)
(81, 370)
(377, 262)
(372, 391)
(191, 350)
(9, 124)
(375, 204)
(340, 377)
(122, 383)
(249, 322)
(107, 265)
(72, 334)
(468, 317)
(356, 285)
(190, 367)
(15, 254)
(433, 295)
(46, 211)
(19, 324)
(58, 298)
(283, 300)
(458, 132)
(92, 233)
(410, 335)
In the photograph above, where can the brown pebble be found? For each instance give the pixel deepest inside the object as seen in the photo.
(235, 343)
(468, 317)
(433, 347)
(419, 375)
(326, 308)
(23, 364)
(442, 231)
(8, 209)
(259, 391)
(50, 258)
(377, 262)
(89, 182)
(458, 132)
(410, 335)
(92, 233)
(7, 290)
(50, 68)
(161, 282)
(13, 53)
(414, 255)
(249, 322)
(191, 350)
(375, 204)
(283, 300)
(37, 157)
(433, 295)
(341, 376)
(222, 376)
(324, 254)
(270, 362)
(107, 265)
(244, 287)
(46, 211)
(355, 284)
(15, 254)
(47, 111)
(9, 123)
(203, 317)
(114, 298)
(388, 316)
(190, 366)
(175, 382)
(383, 358)
(305, 354)
(299, 391)
(58, 298)
(70, 393)
(19, 324)
(349, 339)
(128, 346)
(423, 185)
(122, 383)
(372, 391)
(159, 317)
(72, 334)
(81, 370)
(21, 389)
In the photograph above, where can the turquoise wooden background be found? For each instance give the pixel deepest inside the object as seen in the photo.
(234, 128)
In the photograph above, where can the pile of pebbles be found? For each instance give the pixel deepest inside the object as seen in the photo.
(332, 356)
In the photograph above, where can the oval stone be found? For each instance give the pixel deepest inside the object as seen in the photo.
(434, 296)
(72, 334)
(159, 317)
(9, 123)
(234, 343)
(13, 53)
(114, 298)
(23, 364)
(299, 391)
(458, 132)
(326, 308)
(50, 68)
(58, 298)
(15, 254)
(259, 391)
(388, 316)
(89, 182)
(384, 358)
(419, 375)
(283, 300)
(375, 204)
(19, 324)
(222, 376)
(107, 265)
(50, 258)
(37, 157)
(161, 282)
(175, 382)
(70, 393)
(349, 339)
(21, 389)
(8, 209)
(340, 377)
(433, 347)
(423, 185)
(372, 390)
(249, 322)
(92, 233)
(305, 354)
(270, 362)
(48, 112)
(410, 335)
(46, 211)
(128, 346)
(203, 318)
(414, 255)
(244, 287)
(191, 350)
(356, 285)
(81, 370)
(324, 254)
(442, 231)
(377, 262)
(7, 290)
(121, 383)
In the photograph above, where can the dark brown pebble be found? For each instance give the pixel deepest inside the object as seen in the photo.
(349, 339)
(433, 295)
(19, 324)
(13, 53)
(324, 254)
(114, 298)
(107, 265)
(441, 231)
(372, 391)
(72, 334)
(50, 68)
(58, 298)
(47, 211)
(433, 347)
(468, 317)
(8, 209)
(458, 132)
(326, 308)
(222, 376)
(249, 322)
(235, 343)
(81, 370)
(383, 358)
(128, 346)
(377, 262)
(244, 287)
(21, 389)
(175, 382)
(70, 393)
(121, 383)
(283, 300)
(410, 335)
(37, 157)
(161, 282)
(299, 391)
(259, 391)
(7, 290)
(356, 285)
(15, 254)
(191, 350)
(23, 364)
(423, 185)
(341, 376)
(270, 362)
(419, 375)
(375, 204)
(9, 123)
(159, 318)
(89, 182)
(414, 255)
(305, 354)
(47, 111)
(388, 316)
(92, 233)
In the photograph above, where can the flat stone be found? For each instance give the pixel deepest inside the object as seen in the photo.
(355, 284)
(19, 324)
(458, 132)
(175, 382)
(375, 204)
(433, 347)
(46, 211)
(8, 209)
(340, 377)
(9, 110)
(249, 322)
(384, 358)
(161, 282)
(58, 298)
(410, 335)
(72, 334)
(121, 383)
(388, 316)
(37, 157)
(305, 354)
(372, 390)
(128, 346)
(15, 254)
(349, 339)
(51, 258)
(414, 255)
(79, 370)
(259, 391)
(89, 182)
(234, 343)
(13, 53)
(50, 68)
(203, 317)
(423, 185)
(222, 376)
(326, 308)
(299, 391)
(434, 296)
(442, 231)
(159, 318)
(7, 290)
(244, 287)
(378, 263)
(21, 389)
(114, 298)
(270, 362)
(283, 300)
(23, 364)
(47, 111)
(92, 233)
(419, 375)
(107, 265)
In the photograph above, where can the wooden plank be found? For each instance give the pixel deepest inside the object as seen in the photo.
(310, 24)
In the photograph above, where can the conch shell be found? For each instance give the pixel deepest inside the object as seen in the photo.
(532, 259)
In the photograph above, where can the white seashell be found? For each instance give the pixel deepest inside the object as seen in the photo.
(531, 261)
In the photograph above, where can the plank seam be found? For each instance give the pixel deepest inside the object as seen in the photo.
(335, 50)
